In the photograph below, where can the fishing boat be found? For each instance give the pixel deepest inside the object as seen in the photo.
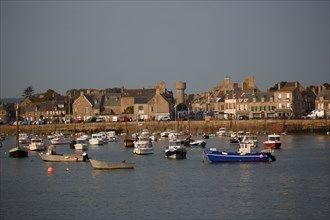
(273, 141)
(97, 164)
(64, 157)
(18, 151)
(143, 145)
(175, 150)
(243, 155)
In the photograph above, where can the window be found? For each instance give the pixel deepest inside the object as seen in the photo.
(287, 105)
(280, 96)
(288, 95)
(86, 110)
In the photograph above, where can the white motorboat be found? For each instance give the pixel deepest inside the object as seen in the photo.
(60, 140)
(23, 139)
(221, 132)
(81, 144)
(112, 137)
(37, 144)
(96, 139)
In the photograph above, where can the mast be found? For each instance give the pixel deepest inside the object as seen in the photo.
(17, 128)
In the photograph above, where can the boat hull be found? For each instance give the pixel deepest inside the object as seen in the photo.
(176, 154)
(272, 145)
(61, 157)
(18, 152)
(129, 142)
(96, 164)
(219, 156)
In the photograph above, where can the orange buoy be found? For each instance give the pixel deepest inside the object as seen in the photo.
(50, 170)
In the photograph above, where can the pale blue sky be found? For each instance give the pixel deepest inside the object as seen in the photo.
(102, 44)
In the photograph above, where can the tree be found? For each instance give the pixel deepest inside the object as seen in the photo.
(28, 92)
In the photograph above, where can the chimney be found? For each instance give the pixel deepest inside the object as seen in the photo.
(81, 93)
(278, 86)
(235, 85)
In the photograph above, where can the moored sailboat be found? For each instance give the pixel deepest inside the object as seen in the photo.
(18, 151)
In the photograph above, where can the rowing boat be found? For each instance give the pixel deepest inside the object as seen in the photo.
(97, 164)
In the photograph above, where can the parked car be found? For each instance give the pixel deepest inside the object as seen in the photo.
(124, 118)
(100, 119)
(243, 117)
(91, 119)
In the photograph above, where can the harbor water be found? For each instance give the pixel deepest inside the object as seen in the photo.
(295, 186)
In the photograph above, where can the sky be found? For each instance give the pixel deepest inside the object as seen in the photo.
(62, 45)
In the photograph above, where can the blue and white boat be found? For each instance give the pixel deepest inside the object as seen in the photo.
(243, 155)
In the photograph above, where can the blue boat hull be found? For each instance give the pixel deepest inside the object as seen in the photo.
(219, 156)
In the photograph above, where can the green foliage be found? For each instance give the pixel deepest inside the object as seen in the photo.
(113, 90)
(129, 110)
(28, 92)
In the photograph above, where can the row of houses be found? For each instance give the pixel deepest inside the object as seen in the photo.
(284, 100)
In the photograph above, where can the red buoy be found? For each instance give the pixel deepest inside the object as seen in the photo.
(50, 170)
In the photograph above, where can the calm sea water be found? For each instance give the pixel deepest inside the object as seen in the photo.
(296, 186)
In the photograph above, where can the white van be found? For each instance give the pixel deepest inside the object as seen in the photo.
(164, 118)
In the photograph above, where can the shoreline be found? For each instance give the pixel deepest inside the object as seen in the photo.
(207, 126)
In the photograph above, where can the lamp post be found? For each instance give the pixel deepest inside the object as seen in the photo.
(189, 117)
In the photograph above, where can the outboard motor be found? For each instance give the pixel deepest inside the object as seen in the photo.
(272, 157)
(85, 157)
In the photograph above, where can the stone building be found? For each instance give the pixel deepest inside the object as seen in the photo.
(49, 105)
(95, 104)
(322, 100)
(147, 104)
(289, 100)
(256, 105)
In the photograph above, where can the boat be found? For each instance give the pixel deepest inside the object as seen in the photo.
(97, 164)
(221, 132)
(96, 139)
(81, 144)
(243, 155)
(194, 143)
(143, 145)
(60, 140)
(166, 132)
(23, 139)
(2, 137)
(197, 143)
(273, 141)
(175, 150)
(104, 137)
(18, 151)
(37, 144)
(129, 142)
(62, 157)
(112, 137)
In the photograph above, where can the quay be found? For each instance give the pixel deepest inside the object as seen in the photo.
(321, 126)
